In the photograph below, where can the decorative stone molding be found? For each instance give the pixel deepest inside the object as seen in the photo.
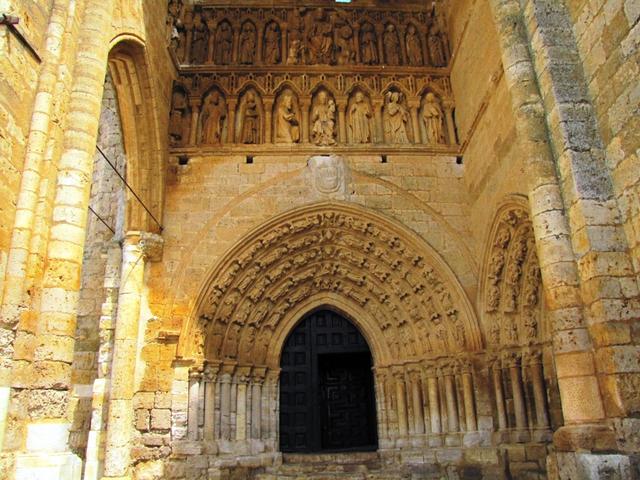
(512, 282)
(152, 246)
(409, 300)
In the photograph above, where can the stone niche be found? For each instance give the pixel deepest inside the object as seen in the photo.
(236, 65)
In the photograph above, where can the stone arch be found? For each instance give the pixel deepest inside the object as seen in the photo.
(511, 286)
(341, 251)
(129, 68)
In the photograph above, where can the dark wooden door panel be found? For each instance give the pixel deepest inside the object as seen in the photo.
(326, 387)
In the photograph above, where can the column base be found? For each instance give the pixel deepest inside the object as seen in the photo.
(49, 465)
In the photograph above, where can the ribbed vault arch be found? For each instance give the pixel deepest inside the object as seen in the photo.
(399, 291)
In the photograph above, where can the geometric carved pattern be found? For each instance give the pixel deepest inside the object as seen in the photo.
(417, 306)
(513, 284)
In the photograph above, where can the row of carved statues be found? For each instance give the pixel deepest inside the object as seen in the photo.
(306, 36)
(320, 119)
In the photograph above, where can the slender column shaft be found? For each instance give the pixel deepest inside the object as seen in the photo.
(231, 123)
(403, 426)
(452, 408)
(256, 410)
(195, 115)
(539, 395)
(225, 406)
(518, 396)
(192, 415)
(469, 406)
(120, 418)
(434, 404)
(497, 387)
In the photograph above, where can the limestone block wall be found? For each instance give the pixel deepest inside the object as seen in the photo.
(17, 92)
(608, 39)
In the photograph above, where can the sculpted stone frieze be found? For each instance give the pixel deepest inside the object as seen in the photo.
(418, 312)
(310, 35)
(513, 283)
(323, 110)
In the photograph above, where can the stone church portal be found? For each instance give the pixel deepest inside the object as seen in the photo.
(284, 239)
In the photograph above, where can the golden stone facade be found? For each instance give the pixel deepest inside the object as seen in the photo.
(186, 184)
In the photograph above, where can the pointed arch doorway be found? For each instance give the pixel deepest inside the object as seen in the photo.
(327, 397)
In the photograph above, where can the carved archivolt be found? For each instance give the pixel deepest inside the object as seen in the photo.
(414, 304)
(512, 284)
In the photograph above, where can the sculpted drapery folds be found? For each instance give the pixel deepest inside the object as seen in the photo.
(323, 118)
(212, 118)
(350, 254)
(247, 44)
(392, 52)
(413, 46)
(223, 44)
(250, 120)
(369, 45)
(397, 119)
(272, 38)
(319, 37)
(287, 123)
(360, 119)
(199, 39)
(433, 119)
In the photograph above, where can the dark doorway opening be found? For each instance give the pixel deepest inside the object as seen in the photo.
(327, 400)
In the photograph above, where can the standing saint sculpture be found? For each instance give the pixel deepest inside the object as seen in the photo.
(433, 119)
(369, 46)
(360, 119)
(214, 113)
(199, 40)
(272, 44)
(319, 38)
(397, 119)
(323, 118)
(414, 48)
(224, 44)
(251, 120)
(287, 129)
(247, 44)
(391, 45)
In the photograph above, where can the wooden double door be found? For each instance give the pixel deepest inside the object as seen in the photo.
(327, 399)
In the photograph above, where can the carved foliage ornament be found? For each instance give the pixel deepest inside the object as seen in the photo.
(417, 312)
(513, 284)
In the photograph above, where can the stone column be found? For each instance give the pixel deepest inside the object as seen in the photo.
(512, 362)
(534, 361)
(379, 36)
(268, 119)
(401, 401)
(469, 403)
(383, 429)
(236, 41)
(257, 381)
(414, 108)
(496, 371)
(195, 378)
(416, 398)
(403, 46)
(227, 371)
(188, 27)
(448, 106)
(46, 444)
(232, 104)
(210, 377)
(425, 48)
(137, 249)
(342, 103)
(434, 401)
(271, 433)
(283, 44)
(450, 394)
(242, 379)
(194, 103)
(377, 110)
(305, 105)
(579, 387)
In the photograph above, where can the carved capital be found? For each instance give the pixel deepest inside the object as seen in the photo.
(152, 246)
